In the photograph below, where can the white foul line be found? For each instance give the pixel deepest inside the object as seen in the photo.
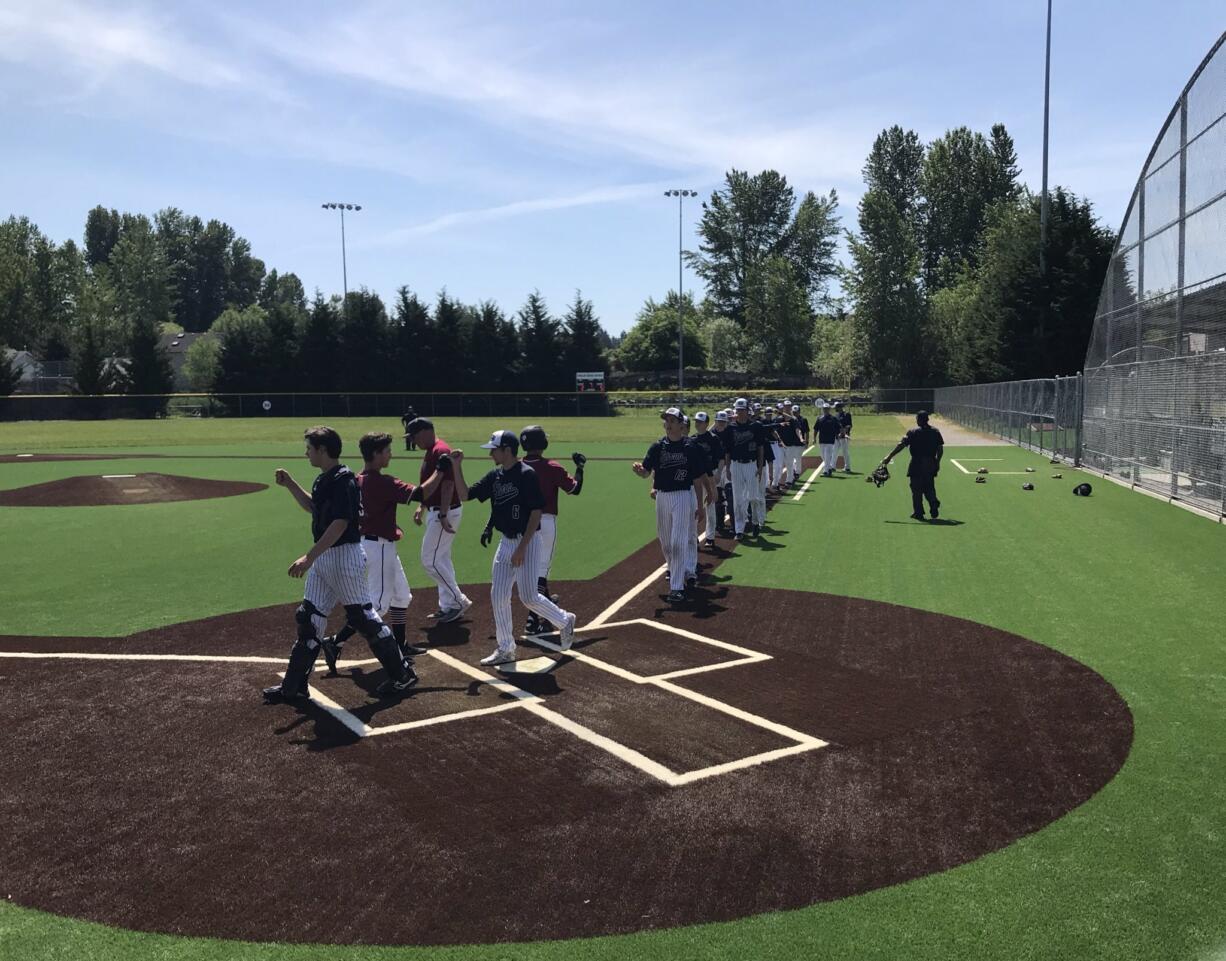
(807, 484)
(197, 658)
(954, 461)
(626, 598)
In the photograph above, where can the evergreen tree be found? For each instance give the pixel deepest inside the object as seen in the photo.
(447, 337)
(246, 357)
(412, 351)
(541, 345)
(101, 235)
(149, 369)
(319, 347)
(363, 358)
(90, 372)
(582, 338)
(778, 324)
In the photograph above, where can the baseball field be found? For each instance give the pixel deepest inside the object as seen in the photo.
(997, 736)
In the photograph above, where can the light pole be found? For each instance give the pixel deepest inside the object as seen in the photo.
(680, 195)
(1043, 202)
(344, 266)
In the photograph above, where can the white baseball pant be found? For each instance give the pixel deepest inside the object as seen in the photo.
(711, 520)
(385, 575)
(827, 458)
(781, 462)
(547, 537)
(842, 447)
(796, 457)
(759, 510)
(744, 490)
(436, 557)
(504, 576)
(691, 551)
(675, 525)
(338, 576)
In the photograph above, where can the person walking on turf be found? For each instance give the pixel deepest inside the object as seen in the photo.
(335, 571)
(442, 512)
(926, 445)
(842, 446)
(828, 429)
(516, 503)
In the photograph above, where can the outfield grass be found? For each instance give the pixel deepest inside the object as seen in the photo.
(1122, 582)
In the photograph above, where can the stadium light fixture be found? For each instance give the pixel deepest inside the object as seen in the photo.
(680, 195)
(342, 207)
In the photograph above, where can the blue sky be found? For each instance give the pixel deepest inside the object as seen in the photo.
(502, 147)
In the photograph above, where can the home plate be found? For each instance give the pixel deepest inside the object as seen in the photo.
(531, 665)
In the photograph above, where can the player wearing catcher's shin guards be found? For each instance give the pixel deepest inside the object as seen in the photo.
(335, 571)
(552, 478)
(515, 509)
(389, 588)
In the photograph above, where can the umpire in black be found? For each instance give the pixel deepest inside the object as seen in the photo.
(927, 445)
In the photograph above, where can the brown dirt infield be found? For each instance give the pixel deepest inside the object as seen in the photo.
(164, 796)
(96, 490)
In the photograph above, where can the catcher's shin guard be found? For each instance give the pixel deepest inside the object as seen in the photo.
(301, 662)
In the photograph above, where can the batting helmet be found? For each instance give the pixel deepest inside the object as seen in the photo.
(533, 438)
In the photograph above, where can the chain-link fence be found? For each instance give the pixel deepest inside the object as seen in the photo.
(1041, 415)
(1155, 372)
(315, 406)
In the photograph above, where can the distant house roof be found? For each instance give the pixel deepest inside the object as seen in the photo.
(23, 361)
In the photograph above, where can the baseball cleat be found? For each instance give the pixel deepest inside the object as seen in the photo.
(413, 650)
(917, 517)
(567, 637)
(452, 615)
(465, 603)
(436, 615)
(691, 580)
(676, 597)
(275, 695)
(392, 687)
(331, 650)
(533, 625)
(499, 657)
(936, 512)
(738, 537)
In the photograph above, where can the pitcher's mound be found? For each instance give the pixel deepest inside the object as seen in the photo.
(97, 489)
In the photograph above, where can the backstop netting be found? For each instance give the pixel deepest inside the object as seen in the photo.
(1155, 370)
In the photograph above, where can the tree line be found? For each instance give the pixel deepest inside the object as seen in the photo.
(103, 305)
(941, 285)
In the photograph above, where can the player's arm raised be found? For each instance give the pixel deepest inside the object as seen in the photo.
(291, 485)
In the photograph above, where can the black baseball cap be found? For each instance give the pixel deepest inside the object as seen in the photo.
(418, 424)
(502, 438)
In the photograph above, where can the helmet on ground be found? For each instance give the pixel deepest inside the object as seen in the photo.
(1083, 490)
(533, 438)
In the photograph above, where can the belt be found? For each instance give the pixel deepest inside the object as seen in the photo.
(449, 509)
(745, 460)
(373, 537)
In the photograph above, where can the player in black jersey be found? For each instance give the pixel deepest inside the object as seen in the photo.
(711, 444)
(675, 463)
(335, 571)
(743, 444)
(515, 510)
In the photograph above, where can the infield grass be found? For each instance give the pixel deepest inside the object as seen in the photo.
(1122, 582)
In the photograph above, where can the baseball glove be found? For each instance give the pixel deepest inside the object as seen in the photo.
(579, 459)
(880, 475)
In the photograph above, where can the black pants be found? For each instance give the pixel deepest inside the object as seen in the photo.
(923, 487)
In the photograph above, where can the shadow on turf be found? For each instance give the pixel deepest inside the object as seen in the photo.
(939, 522)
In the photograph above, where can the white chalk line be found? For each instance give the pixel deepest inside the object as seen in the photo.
(804, 488)
(626, 598)
(1007, 473)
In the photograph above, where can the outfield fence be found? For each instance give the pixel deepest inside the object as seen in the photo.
(1042, 415)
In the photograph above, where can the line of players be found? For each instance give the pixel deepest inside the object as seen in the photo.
(354, 561)
(720, 476)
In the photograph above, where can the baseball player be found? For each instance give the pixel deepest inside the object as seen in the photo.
(552, 478)
(516, 504)
(710, 442)
(789, 433)
(828, 429)
(746, 460)
(406, 419)
(674, 464)
(767, 440)
(335, 571)
(442, 511)
(723, 483)
(842, 446)
(802, 434)
(389, 588)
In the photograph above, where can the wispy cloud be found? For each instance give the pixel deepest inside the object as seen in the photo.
(602, 195)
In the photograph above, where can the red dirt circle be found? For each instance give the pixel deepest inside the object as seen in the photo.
(106, 489)
(888, 743)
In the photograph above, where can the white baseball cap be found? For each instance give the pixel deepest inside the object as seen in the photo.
(795, 408)
(673, 412)
(722, 415)
(701, 417)
(741, 404)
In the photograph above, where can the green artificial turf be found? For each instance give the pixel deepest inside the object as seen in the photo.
(1122, 582)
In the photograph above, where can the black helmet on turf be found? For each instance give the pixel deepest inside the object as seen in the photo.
(533, 438)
